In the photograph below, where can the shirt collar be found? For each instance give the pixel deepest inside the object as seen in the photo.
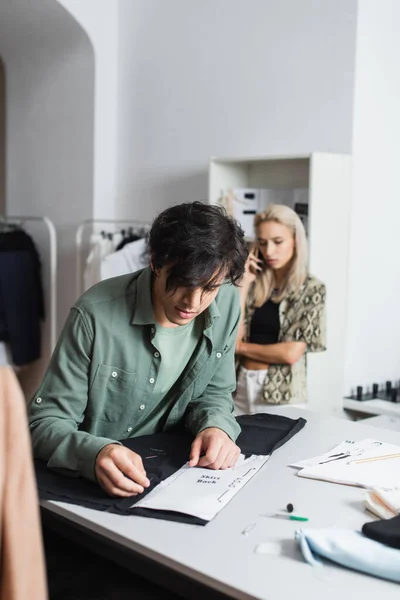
(143, 314)
(143, 311)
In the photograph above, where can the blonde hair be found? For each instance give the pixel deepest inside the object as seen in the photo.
(297, 272)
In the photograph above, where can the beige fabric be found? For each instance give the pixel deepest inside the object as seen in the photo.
(22, 558)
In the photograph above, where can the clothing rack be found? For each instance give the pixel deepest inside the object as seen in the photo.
(52, 235)
(138, 225)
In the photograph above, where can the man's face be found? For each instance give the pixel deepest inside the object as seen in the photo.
(180, 306)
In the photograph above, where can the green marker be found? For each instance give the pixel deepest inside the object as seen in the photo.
(288, 517)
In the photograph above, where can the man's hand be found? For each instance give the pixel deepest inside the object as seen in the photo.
(120, 471)
(214, 449)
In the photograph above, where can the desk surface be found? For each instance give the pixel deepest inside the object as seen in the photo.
(220, 556)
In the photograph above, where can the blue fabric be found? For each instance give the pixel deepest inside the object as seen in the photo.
(350, 549)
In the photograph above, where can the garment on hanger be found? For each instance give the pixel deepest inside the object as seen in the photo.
(127, 239)
(105, 259)
(21, 295)
(132, 257)
(101, 245)
(261, 434)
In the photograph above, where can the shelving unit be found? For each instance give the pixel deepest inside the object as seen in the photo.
(327, 177)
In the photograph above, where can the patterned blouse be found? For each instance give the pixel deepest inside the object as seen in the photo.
(302, 319)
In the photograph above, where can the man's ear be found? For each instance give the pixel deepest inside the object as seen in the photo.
(152, 267)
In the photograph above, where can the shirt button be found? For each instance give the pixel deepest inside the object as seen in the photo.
(38, 400)
(142, 407)
(129, 429)
(152, 330)
(156, 354)
(219, 354)
(114, 374)
(151, 379)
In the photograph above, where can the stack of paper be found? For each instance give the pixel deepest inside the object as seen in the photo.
(366, 463)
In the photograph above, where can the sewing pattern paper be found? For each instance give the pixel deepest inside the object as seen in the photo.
(202, 492)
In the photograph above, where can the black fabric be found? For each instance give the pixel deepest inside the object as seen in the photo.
(264, 433)
(17, 240)
(265, 325)
(19, 310)
(386, 531)
(21, 296)
(163, 454)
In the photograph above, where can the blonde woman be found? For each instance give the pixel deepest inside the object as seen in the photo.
(283, 315)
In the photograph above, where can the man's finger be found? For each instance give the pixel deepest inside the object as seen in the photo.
(114, 490)
(220, 458)
(137, 461)
(211, 454)
(118, 478)
(231, 459)
(195, 452)
(129, 468)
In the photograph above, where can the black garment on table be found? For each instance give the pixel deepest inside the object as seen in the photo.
(386, 531)
(21, 304)
(265, 325)
(261, 434)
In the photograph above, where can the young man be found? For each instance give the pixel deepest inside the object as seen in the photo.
(146, 352)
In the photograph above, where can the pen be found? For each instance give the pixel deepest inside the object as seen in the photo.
(288, 517)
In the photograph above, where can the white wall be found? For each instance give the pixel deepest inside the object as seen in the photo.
(178, 81)
(49, 148)
(226, 78)
(373, 339)
(101, 25)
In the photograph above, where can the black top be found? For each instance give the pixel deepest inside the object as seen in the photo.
(265, 326)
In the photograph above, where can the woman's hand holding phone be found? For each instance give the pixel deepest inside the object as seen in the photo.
(253, 266)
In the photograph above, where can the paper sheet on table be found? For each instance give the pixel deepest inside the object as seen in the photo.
(357, 470)
(202, 492)
(349, 450)
(384, 474)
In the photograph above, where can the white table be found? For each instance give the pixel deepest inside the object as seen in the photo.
(221, 557)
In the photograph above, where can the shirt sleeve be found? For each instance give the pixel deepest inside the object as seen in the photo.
(59, 405)
(310, 327)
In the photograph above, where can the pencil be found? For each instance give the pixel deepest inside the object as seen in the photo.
(362, 460)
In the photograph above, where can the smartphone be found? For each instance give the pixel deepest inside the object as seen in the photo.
(260, 256)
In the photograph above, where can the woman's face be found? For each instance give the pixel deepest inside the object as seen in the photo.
(276, 243)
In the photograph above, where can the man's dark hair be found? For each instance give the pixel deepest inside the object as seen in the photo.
(200, 243)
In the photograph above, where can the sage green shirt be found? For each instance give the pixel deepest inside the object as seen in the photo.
(176, 346)
(99, 386)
